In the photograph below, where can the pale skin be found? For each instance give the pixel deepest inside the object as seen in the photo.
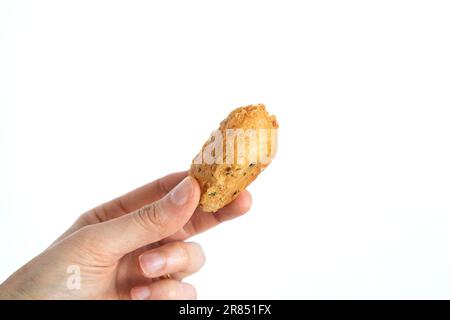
(125, 248)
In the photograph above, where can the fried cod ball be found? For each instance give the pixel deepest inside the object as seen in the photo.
(234, 155)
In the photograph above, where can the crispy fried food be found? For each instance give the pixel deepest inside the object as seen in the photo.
(234, 155)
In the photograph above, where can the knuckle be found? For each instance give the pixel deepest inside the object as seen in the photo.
(87, 234)
(151, 217)
(91, 236)
(88, 244)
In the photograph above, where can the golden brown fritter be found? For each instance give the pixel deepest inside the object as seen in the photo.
(234, 155)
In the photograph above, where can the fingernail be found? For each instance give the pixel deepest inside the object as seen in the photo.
(140, 293)
(152, 262)
(182, 192)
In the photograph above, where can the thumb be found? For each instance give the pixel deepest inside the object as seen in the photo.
(148, 224)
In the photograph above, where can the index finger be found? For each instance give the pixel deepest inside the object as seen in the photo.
(202, 221)
(137, 198)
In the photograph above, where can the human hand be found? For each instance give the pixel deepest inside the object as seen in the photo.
(125, 248)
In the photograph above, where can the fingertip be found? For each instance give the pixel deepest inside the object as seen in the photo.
(140, 293)
(198, 253)
(244, 201)
(195, 187)
(191, 292)
(195, 195)
(241, 204)
(237, 207)
(186, 193)
(166, 290)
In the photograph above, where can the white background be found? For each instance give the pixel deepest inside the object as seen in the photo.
(99, 97)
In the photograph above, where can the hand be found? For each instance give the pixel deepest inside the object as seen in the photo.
(126, 248)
